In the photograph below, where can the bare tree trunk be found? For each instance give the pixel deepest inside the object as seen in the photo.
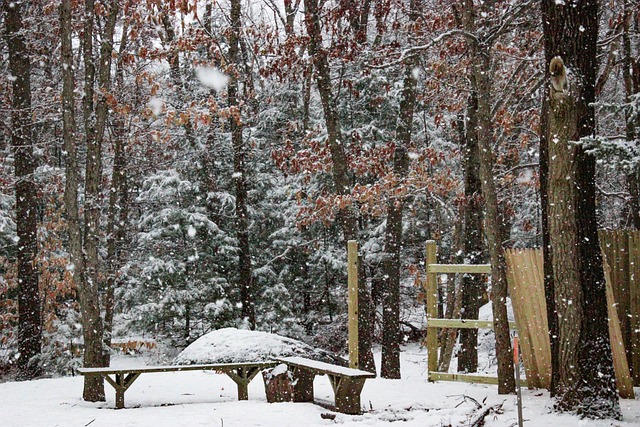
(472, 284)
(393, 236)
(586, 380)
(341, 178)
(631, 87)
(95, 118)
(563, 231)
(29, 311)
(366, 320)
(552, 314)
(89, 308)
(239, 170)
(118, 206)
(492, 216)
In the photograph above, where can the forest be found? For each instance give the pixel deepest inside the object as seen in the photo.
(173, 167)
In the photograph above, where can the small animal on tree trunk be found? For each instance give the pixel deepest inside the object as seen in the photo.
(558, 74)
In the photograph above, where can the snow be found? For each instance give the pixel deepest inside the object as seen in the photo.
(212, 77)
(187, 399)
(231, 345)
(321, 366)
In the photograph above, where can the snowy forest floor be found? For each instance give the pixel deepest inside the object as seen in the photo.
(209, 399)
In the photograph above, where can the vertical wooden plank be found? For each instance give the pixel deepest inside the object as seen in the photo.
(543, 347)
(536, 309)
(634, 288)
(432, 308)
(624, 307)
(530, 309)
(621, 366)
(352, 281)
(516, 280)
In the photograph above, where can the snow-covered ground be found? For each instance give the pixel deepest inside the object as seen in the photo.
(208, 399)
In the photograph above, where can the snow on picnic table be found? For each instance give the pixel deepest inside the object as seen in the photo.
(188, 399)
(231, 345)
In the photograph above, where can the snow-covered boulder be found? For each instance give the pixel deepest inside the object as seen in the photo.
(231, 345)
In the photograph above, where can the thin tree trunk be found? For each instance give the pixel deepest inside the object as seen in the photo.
(366, 321)
(89, 308)
(549, 287)
(493, 227)
(342, 180)
(472, 284)
(95, 118)
(29, 311)
(393, 236)
(492, 216)
(630, 88)
(239, 170)
(341, 177)
(118, 207)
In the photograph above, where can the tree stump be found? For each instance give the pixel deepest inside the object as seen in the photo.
(278, 384)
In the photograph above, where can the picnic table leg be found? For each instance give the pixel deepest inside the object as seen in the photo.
(347, 393)
(303, 385)
(242, 377)
(120, 391)
(121, 383)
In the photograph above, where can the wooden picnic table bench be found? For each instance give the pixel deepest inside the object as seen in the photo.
(347, 383)
(240, 373)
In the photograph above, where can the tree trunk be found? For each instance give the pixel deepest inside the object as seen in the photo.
(586, 380)
(93, 388)
(341, 177)
(95, 118)
(29, 311)
(239, 158)
(118, 206)
(492, 216)
(631, 83)
(342, 180)
(493, 228)
(472, 284)
(393, 236)
(366, 320)
(552, 314)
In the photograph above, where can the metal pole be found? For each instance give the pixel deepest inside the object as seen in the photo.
(516, 360)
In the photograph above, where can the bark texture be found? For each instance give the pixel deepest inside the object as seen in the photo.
(29, 311)
(473, 285)
(239, 158)
(585, 377)
(342, 179)
(481, 81)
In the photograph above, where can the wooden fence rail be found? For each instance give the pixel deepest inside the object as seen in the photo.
(621, 251)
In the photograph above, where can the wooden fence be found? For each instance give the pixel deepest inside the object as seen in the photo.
(434, 323)
(621, 249)
(525, 276)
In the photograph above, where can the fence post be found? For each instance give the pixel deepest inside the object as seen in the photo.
(432, 309)
(352, 283)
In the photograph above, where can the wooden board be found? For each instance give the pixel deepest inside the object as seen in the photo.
(634, 285)
(620, 364)
(463, 324)
(467, 378)
(459, 268)
(621, 250)
(431, 291)
(526, 287)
